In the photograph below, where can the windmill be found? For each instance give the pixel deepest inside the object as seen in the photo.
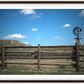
(77, 31)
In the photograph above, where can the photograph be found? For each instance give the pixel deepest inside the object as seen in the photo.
(41, 41)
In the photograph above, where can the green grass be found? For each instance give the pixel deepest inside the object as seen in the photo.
(20, 70)
(61, 67)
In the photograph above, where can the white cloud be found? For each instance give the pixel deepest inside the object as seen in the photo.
(75, 41)
(25, 42)
(56, 37)
(36, 16)
(14, 14)
(41, 14)
(34, 29)
(31, 11)
(27, 11)
(14, 36)
(80, 41)
(81, 13)
(61, 39)
(46, 44)
(66, 25)
(33, 45)
(38, 38)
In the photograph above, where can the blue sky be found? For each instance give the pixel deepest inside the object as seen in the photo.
(47, 27)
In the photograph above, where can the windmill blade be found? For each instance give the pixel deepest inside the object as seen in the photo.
(79, 31)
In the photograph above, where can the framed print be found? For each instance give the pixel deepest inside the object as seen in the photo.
(42, 41)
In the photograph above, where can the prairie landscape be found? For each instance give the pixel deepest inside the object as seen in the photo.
(47, 66)
(45, 41)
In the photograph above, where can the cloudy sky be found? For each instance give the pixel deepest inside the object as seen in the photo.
(41, 26)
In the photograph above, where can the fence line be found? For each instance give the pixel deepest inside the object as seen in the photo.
(75, 55)
(38, 56)
(77, 58)
(63, 52)
(37, 46)
(49, 57)
(21, 51)
(3, 57)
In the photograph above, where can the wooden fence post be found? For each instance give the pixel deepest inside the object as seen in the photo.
(38, 56)
(77, 57)
(3, 57)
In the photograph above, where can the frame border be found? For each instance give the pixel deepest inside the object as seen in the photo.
(42, 2)
(42, 81)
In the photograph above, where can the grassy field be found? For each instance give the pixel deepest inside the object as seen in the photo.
(33, 69)
(45, 69)
(29, 70)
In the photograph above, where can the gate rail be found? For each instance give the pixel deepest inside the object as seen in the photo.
(39, 52)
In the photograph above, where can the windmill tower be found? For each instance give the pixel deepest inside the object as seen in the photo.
(77, 31)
